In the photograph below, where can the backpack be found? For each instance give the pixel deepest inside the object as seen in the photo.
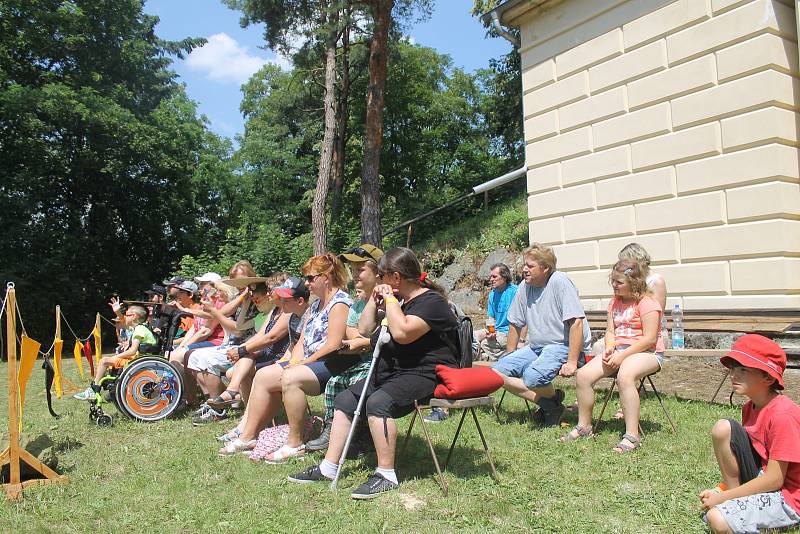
(459, 338)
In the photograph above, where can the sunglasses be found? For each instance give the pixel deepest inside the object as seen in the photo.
(362, 253)
(310, 277)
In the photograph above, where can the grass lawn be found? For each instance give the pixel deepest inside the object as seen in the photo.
(167, 476)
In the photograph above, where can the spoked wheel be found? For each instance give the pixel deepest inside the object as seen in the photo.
(104, 420)
(149, 389)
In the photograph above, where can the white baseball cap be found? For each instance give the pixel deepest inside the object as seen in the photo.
(208, 277)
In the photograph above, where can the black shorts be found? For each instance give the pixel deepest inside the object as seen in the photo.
(393, 398)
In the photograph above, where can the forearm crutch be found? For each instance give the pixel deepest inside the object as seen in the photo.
(383, 338)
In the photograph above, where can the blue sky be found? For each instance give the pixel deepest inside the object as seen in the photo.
(214, 73)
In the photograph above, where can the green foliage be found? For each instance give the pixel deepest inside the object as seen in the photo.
(104, 164)
(504, 226)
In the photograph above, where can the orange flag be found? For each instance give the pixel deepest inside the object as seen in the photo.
(77, 352)
(28, 355)
(98, 349)
(57, 346)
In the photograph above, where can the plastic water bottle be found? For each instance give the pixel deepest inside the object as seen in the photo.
(677, 328)
(664, 331)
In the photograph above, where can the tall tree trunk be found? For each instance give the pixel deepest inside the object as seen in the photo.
(341, 124)
(373, 139)
(318, 224)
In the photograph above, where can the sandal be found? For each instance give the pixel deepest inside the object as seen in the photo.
(230, 435)
(623, 447)
(238, 446)
(220, 403)
(577, 432)
(285, 453)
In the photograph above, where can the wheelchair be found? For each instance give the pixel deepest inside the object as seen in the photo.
(148, 388)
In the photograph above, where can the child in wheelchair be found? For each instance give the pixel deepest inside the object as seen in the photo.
(142, 341)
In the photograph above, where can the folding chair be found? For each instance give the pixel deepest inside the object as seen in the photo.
(450, 404)
(641, 388)
(500, 404)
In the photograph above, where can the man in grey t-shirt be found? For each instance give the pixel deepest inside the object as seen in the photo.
(558, 332)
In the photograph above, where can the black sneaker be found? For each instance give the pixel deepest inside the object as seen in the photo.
(321, 443)
(309, 475)
(552, 417)
(550, 410)
(374, 486)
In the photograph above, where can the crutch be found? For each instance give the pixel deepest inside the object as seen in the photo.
(383, 338)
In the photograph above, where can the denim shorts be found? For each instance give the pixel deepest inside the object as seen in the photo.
(333, 365)
(758, 512)
(536, 367)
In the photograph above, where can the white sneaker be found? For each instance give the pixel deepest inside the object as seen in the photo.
(85, 395)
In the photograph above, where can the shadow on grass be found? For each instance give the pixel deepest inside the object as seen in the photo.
(468, 461)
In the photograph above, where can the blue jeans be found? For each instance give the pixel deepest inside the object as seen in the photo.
(536, 367)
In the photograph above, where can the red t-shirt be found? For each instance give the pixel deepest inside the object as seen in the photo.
(774, 431)
(627, 319)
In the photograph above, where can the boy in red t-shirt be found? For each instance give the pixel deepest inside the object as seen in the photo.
(760, 459)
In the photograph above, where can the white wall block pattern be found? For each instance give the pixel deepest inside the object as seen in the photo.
(594, 108)
(591, 283)
(546, 231)
(598, 49)
(750, 19)
(696, 210)
(672, 83)
(775, 200)
(776, 237)
(556, 94)
(736, 302)
(761, 164)
(769, 125)
(561, 201)
(778, 275)
(701, 141)
(544, 178)
(679, 129)
(663, 248)
(711, 278)
(576, 256)
(631, 127)
(646, 60)
(604, 164)
(762, 52)
(542, 126)
(758, 90)
(668, 19)
(539, 75)
(569, 145)
(639, 187)
(603, 223)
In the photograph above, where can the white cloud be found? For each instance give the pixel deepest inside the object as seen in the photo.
(224, 59)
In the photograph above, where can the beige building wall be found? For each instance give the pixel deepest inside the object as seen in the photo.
(669, 123)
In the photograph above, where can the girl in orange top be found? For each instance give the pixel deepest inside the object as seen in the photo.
(634, 349)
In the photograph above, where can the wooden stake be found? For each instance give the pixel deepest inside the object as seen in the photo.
(13, 454)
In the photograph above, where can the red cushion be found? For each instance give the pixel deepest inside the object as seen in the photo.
(466, 383)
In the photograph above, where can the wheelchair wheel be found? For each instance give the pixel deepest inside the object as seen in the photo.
(104, 420)
(149, 389)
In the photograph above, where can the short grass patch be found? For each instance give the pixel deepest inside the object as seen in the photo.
(167, 476)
